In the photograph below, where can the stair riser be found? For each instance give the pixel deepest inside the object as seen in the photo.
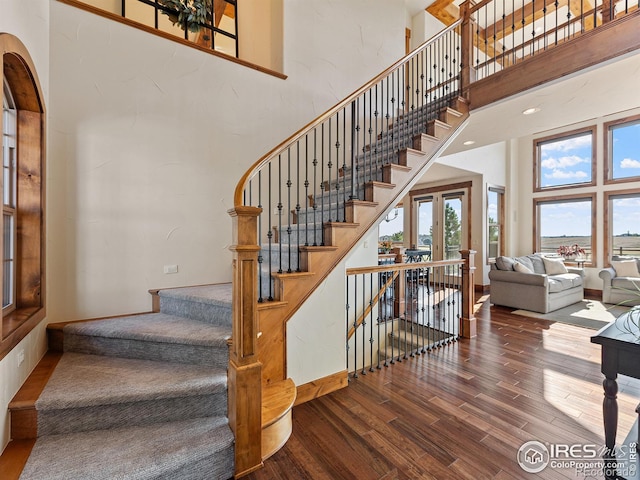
(204, 312)
(69, 420)
(157, 351)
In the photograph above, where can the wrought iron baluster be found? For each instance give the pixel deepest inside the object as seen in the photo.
(347, 323)
(364, 326)
(260, 258)
(315, 185)
(270, 237)
(280, 207)
(289, 229)
(371, 341)
(306, 191)
(322, 186)
(355, 327)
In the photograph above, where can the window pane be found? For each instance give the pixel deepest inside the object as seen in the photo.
(425, 224)
(625, 150)
(493, 222)
(565, 224)
(565, 161)
(452, 227)
(625, 225)
(8, 261)
(392, 227)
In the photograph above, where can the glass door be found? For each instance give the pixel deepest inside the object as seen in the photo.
(441, 221)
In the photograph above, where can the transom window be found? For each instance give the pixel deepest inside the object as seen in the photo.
(565, 160)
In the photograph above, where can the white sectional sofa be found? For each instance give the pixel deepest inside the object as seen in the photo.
(535, 283)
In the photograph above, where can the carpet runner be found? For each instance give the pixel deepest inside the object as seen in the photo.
(142, 396)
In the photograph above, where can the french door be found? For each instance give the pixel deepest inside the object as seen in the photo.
(441, 220)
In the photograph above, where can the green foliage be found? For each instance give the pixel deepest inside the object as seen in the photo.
(452, 230)
(397, 237)
(188, 13)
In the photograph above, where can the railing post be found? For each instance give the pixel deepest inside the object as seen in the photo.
(245, 371)
(467, 71)
(399, 287)
(468, 321)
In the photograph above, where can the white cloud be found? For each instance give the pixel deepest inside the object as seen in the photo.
(564, 162)
(569, 144)
(564, 175)
(630, 163)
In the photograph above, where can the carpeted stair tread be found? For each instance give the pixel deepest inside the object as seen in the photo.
(81, 380)
(218, 294)
(206, 303)
(191, 449)
(154, 327)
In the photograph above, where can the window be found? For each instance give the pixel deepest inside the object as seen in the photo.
(392, 227)
(22, 243)
(495, 222)
(566, 221)
(565, 160)
(9, 136)
(622, 218)
(622, 149)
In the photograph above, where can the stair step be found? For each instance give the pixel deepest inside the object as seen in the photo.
(93, 392)
(207, 303)
(189, 449)
(277, 401)
(154, 336)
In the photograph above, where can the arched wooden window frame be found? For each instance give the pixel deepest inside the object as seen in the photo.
(19, 71)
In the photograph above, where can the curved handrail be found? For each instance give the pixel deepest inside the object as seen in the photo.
(238, 194)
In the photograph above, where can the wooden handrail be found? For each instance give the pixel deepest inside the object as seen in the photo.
(238, 195)
(402, 266)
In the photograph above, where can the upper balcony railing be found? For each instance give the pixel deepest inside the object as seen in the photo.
(507, 32)
(212, 24)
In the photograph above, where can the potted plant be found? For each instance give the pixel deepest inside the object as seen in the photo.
(188, 14)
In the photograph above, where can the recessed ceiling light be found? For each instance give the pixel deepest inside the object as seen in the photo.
(469, 142)
(529, 111)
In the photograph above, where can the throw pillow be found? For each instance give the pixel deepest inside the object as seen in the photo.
(625, 268)
(504, 263)
(554, 266)
(518, 267)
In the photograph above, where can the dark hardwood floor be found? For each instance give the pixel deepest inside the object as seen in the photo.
(462, 411)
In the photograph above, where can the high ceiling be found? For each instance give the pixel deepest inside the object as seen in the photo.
(576, 98)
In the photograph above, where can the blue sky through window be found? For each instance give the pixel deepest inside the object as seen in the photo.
(626, 150)
(566, 161)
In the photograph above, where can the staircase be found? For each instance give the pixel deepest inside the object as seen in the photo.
(136, 397)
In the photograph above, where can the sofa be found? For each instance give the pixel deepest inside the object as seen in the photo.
(535, 282)
(621, 281)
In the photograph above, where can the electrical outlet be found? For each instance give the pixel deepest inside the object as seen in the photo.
(21, 357)
(171, 269)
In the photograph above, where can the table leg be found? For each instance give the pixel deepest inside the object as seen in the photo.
(610, 415)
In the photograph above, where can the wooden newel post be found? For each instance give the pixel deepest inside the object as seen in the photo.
(468, 321)
(468, 27)
(245, 371)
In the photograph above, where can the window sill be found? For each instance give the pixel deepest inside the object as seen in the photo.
(17, 325)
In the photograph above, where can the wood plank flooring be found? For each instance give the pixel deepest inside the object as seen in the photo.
(460, 412)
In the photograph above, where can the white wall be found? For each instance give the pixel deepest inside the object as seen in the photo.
(29, 22)
(149, 139)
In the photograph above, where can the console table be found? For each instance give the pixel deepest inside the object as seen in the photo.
(620, 355)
